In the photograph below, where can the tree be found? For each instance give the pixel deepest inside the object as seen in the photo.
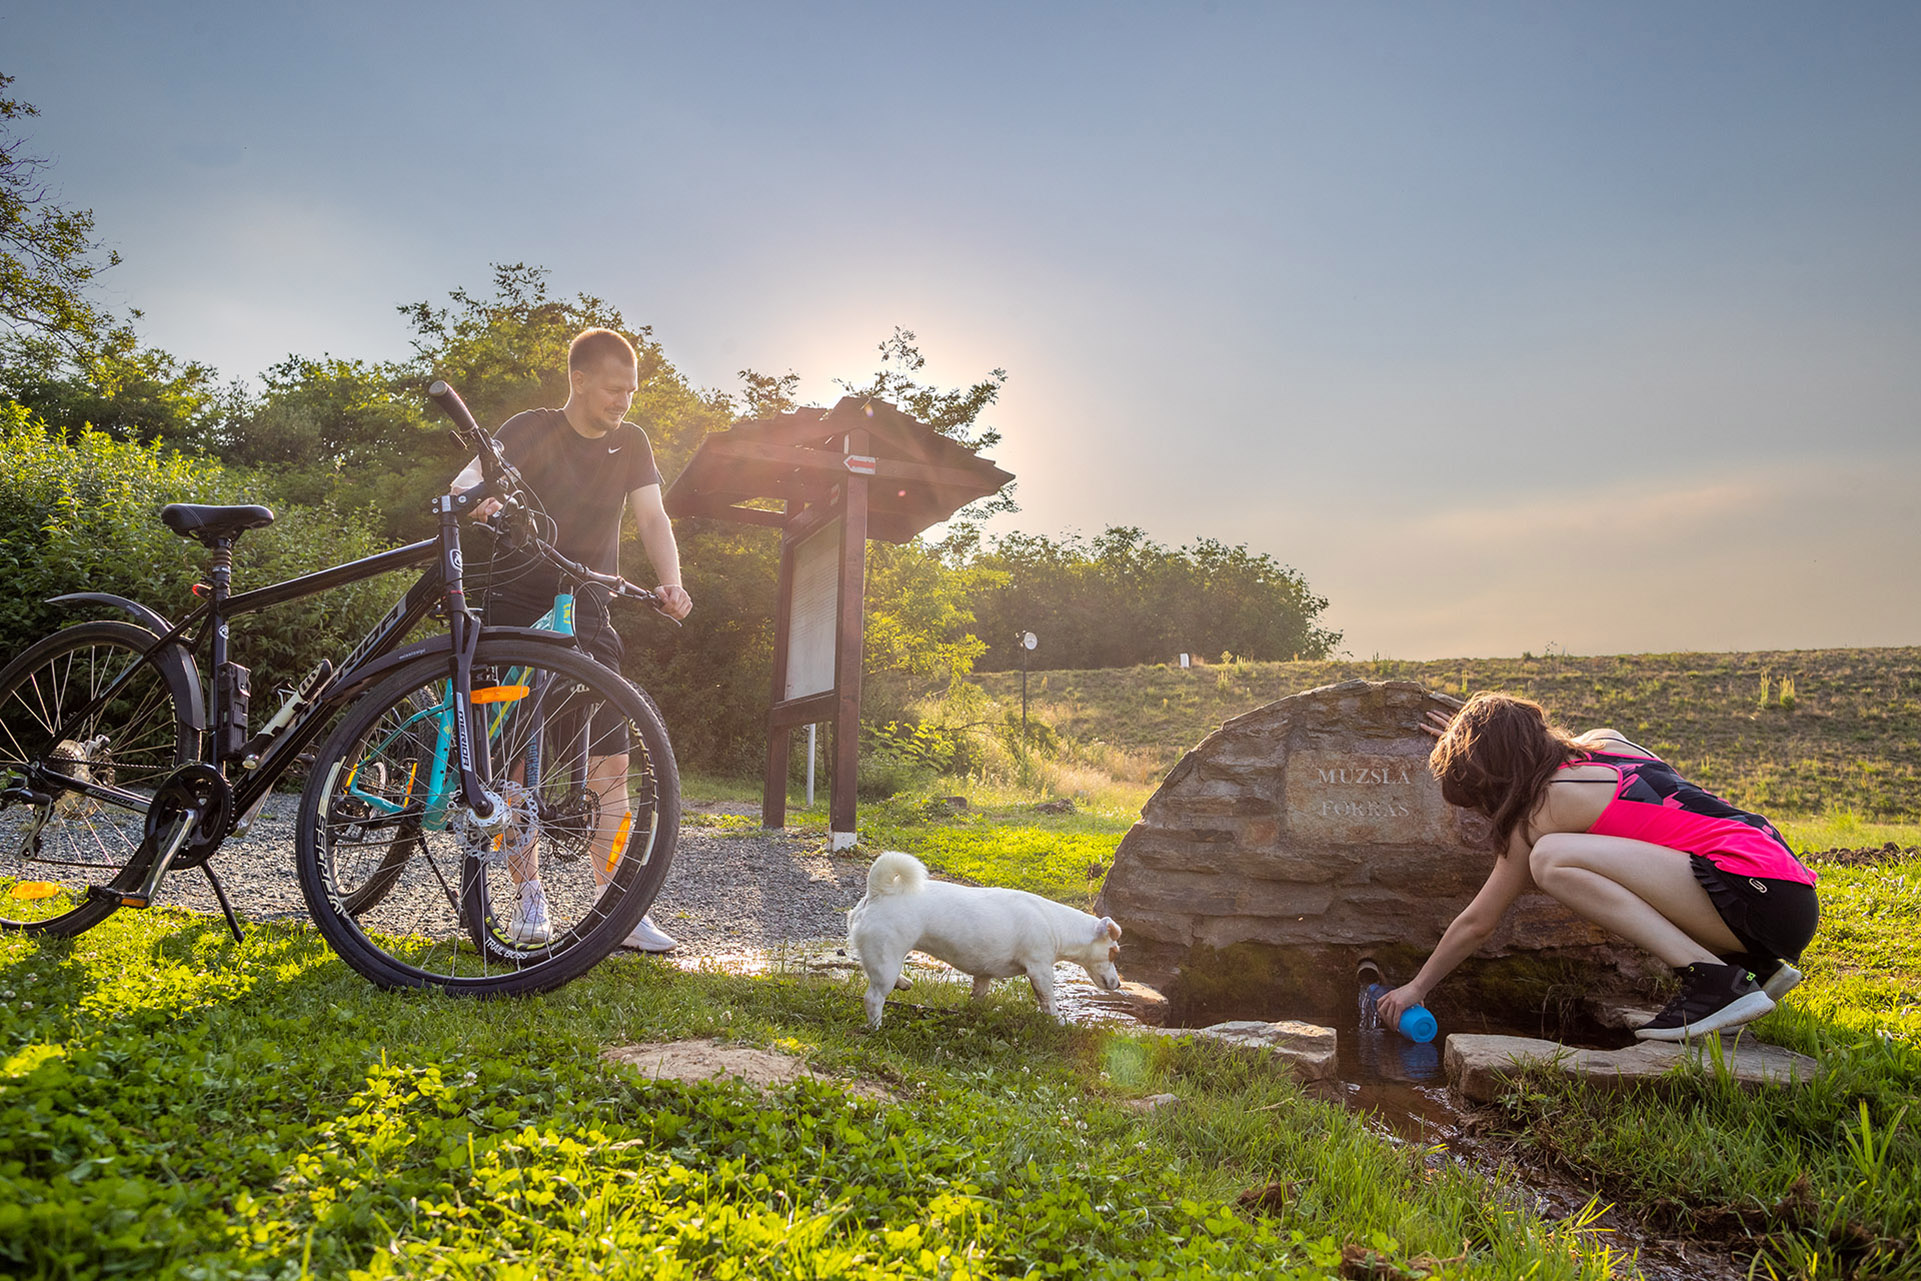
(1121, 598)
(61, 356)
(47, 256)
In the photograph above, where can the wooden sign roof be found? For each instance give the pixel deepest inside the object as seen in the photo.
(918, 477)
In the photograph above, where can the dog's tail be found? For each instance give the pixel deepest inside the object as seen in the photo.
(895, 873)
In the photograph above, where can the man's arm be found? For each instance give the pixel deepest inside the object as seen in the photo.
(657, 536)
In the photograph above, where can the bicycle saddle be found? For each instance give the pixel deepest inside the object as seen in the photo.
(211, 524)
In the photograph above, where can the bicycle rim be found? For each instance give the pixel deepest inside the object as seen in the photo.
(411, 891)
(60, 847)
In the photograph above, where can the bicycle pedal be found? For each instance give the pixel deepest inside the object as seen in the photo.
(135, 900)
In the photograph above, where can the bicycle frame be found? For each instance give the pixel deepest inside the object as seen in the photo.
(374, 655)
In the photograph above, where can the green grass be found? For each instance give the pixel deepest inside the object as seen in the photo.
(173, 1104)
(1852, 741)
(1061, 856)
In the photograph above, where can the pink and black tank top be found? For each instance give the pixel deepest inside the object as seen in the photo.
(1653, 803)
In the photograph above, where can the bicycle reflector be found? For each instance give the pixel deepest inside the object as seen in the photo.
(502, 693)
(620, 841)
(34, 889)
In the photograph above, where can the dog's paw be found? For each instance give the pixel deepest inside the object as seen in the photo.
(903, 983)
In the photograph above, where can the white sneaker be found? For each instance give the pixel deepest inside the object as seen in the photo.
(1784, 980)
(648, 937)
(530, 926)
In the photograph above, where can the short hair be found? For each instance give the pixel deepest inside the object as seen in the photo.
(592, 346)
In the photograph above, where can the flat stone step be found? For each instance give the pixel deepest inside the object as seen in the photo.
(1478, 1066)
(1306, 1049)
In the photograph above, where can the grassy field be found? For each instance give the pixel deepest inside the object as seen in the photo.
(175, 1104)
(1850, 739)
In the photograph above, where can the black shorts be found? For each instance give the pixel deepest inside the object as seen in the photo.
(593, 632)
(1771, 918)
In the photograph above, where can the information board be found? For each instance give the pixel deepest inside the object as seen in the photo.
(815, 621)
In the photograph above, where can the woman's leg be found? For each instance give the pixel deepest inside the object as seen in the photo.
(1644, 892)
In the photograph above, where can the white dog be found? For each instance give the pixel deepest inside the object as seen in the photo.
(988, 933)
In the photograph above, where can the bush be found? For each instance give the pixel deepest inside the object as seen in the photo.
(80, 513)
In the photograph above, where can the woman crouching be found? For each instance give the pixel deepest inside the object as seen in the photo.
(1611, 831)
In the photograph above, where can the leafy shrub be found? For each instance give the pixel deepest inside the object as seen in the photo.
(80, 513)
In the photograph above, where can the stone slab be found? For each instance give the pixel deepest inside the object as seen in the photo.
(1478, 1066)
(1307, 1049)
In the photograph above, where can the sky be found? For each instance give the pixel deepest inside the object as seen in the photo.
(1586, 326)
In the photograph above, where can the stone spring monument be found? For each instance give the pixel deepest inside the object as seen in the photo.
(1308, 835)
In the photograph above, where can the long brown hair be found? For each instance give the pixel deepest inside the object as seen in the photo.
(1496, 756)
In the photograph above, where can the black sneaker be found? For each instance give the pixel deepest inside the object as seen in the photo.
(1712, 997)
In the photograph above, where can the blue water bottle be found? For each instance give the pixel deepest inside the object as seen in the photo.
(1417, 1025)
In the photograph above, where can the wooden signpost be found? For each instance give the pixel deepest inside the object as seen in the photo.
(860, 470)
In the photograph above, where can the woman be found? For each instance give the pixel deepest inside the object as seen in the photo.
(1611, 831)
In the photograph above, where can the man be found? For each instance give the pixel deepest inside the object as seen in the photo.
(584, 463)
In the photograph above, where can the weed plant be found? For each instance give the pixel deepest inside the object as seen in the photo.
(173, 1104)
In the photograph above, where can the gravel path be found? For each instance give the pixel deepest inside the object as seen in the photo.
(728, 892)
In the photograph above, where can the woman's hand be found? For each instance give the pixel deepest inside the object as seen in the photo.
(1436, 723)
(1392, 1005)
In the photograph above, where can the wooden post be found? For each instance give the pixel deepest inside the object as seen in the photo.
(773, 795)
(848, 653)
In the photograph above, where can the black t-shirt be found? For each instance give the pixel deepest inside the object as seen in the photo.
(582, 484)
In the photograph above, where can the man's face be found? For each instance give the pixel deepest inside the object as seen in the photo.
(605, 390)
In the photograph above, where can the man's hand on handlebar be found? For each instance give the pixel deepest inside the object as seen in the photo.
(487, 510)
(673, 601)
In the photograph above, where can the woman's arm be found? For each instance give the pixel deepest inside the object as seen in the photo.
(1507, 881)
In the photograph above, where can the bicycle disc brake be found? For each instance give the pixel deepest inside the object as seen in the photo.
(492, 843)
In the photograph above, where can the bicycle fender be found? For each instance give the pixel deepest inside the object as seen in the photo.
(186, 679)
(147, 618)
(439, 645)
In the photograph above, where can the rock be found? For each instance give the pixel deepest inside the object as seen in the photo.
(1060, 806)
(1478, 1066)
(1308, 834)
(1152, 1103)
(1621, 1013)
(1307, 1050)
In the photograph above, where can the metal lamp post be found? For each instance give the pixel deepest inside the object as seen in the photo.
(1027, 641)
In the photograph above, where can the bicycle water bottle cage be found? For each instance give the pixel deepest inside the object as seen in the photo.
(213, 524)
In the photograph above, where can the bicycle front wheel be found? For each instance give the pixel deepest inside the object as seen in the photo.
(62, 846)
(412, 890)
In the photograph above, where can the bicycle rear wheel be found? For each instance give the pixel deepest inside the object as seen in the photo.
(591, 826)
(60, 846)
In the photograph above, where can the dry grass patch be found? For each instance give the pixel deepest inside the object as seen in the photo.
(709, 1060)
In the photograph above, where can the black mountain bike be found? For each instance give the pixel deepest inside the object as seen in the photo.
(489, 811)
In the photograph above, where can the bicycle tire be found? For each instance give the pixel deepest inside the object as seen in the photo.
(64, 853)
(441, 919)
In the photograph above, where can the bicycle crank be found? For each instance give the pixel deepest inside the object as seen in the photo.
(187, 819)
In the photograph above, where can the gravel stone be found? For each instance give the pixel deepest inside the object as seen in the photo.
(729, 890)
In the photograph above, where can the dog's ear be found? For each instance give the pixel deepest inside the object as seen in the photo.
(1108, 928)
